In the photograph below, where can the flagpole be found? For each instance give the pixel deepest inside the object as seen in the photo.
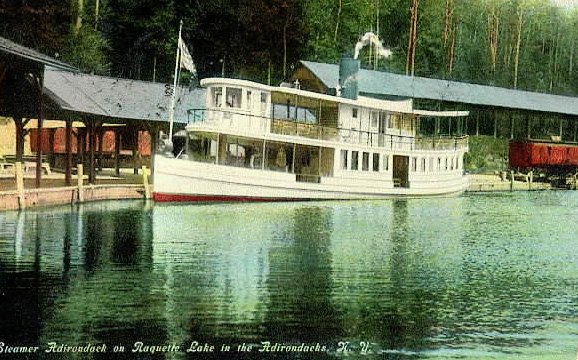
(172, 109)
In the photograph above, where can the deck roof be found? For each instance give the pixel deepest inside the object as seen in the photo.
(118, 98)
(10, 47)
(376, 83)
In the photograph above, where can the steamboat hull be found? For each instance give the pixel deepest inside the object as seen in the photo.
(178, 180)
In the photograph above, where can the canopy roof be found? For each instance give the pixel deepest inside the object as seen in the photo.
(10, 47)
(380, 83)
(118, 98)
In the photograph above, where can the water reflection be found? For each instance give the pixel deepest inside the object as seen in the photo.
(471, 277)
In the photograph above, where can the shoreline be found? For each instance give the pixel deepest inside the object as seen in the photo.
(44, 197)
(490, 183)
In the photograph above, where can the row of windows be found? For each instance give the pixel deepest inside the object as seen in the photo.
(383, 120)
(234, 98)
(350, 161)
(435, 164)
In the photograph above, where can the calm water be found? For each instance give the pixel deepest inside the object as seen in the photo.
(475, 277)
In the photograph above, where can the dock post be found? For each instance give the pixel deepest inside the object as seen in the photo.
(80, 177)
(511, 180)
(20, 186)
(145, 180)
(530, 180)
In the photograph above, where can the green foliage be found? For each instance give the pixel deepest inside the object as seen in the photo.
(487, 154)
(87, 51)
(535, 44)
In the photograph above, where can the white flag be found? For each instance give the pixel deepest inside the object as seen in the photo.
(186, 59)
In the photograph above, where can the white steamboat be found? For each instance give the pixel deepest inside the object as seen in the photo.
(254, 142)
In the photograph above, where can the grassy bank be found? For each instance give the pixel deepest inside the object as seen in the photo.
(487, 155)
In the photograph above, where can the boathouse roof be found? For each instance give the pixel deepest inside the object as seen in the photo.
(118, 98)
(381, 83)
(10, 47)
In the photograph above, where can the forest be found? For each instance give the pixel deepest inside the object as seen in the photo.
(523, 44)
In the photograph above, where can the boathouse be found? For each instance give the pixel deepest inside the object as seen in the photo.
(99, 111)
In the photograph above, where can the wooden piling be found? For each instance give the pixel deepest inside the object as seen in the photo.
(145, 180)
(20, 186)
(80, 177)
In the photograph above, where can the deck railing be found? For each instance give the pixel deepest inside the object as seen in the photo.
(229, 119)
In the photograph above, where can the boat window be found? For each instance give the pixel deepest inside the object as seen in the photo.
(386, 162)
(344, 159)
(234, 96)
(414, 164)
(423, 164)
(439, 167)
(249, 99)
(446, 167)
(365, 163)
(383, 118)
(354, 160)
(264, 100)
(217, 94)
(354, 113)
(375, 162)
(374, 118)
(391, 121)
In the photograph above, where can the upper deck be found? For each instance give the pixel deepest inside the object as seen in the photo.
(246, 108)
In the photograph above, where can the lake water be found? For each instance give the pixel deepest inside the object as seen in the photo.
(482, 276)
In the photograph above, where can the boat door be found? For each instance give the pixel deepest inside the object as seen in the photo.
(400, 171)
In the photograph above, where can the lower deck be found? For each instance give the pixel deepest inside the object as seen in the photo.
(310, 164)
(218, 167)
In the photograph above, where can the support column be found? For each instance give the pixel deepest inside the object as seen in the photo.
(51, 158)
(154, 135)
(40, 119)
(511, 127)
(39, 152)
(91, 149)
(100, 132)
(135, 151)
(19, 138)
(528, 126)
(477, 125)
(81, 143)
(264, 154)
(68, 146)
(495, 123)
(117, 143)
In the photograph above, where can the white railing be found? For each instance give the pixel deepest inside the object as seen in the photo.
(248, 123)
